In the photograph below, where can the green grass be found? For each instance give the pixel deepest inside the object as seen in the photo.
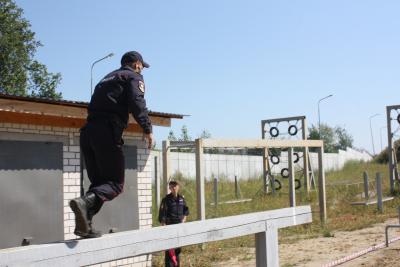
(341, 215)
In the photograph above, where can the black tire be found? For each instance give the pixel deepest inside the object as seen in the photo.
(285, 173)
(293, 130)
(274, 132)
(296, 157)
(298, 184)
(278, 185)
(398, 118)
(275, 159)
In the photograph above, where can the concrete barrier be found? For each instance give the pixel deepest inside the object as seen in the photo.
(116, 246)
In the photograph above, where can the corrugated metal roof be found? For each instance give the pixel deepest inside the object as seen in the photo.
(79, 104)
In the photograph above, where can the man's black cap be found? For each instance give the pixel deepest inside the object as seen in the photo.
(133, 56)
(173, 183)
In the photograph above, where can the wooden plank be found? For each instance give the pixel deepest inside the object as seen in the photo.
(306, 173)
(42, 108)
(285, 119)
(371, 202)
(259, 143)
(166, 165)
(321, 186)
(292, 189)
(200, 187)
(34, 108)
(55, 121)
(390, 148)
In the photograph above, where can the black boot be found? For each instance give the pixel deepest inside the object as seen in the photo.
(81, 206)
(93, 233)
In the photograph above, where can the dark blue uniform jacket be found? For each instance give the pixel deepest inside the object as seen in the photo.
(119, 93)
(172, 210)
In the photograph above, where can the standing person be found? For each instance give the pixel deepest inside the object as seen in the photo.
(119, 93)
(173, 210)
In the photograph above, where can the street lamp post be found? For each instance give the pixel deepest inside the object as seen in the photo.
(380, 132)
(372, 135)
(91, 71)
(319, 114)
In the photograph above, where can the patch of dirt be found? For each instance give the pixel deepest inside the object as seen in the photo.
(323, 250)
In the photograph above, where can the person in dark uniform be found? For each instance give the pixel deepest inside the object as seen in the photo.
(119, 93)
(173, 210)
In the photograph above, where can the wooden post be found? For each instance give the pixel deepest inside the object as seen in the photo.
(201, 203)
(292, 190)
(157, 182)
(266, 170)
(321, 185)
(306, 172)
(366, 185)
(166, 165)
(379, 192)
(236, 187)
(272, 177)
(216, 192)
(390, 149)
(267, 248)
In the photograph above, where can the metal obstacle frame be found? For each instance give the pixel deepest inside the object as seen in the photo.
(200, 144)
(392, 150)
(274, 133)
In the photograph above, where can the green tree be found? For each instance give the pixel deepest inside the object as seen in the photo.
(171, 136)
(344, 139)
(20, 73)
(205, 134)
(185, 134)
(334, 138)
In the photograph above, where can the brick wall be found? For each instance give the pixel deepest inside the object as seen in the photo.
(72, 177)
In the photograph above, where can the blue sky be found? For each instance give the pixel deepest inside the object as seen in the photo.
(230, 64)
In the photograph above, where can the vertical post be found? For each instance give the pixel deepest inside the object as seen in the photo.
(157, 182)
(292, 190)
(272, 177)
(266, 170)
(306, 172)
(236, 187)
(379, 191)
(390, 148)
(166, 164)
(216, 192)
(267, 249)
(265, 161)
(366, 186)
(398, 210)
(201, 207)
(321, 185)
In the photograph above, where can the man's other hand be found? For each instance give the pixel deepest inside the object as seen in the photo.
(149, 138)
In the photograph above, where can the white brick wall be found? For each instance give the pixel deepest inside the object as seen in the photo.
(72, 180)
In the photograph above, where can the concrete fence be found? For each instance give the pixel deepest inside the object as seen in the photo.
(246, 167)
(264, 225)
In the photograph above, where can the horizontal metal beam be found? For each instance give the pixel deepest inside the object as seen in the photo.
(284, 119)
(260, 143)
(140, 242)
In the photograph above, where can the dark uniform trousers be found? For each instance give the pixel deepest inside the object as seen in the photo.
(101, 144)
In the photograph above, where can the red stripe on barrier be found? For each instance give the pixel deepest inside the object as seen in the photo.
(359, 254)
